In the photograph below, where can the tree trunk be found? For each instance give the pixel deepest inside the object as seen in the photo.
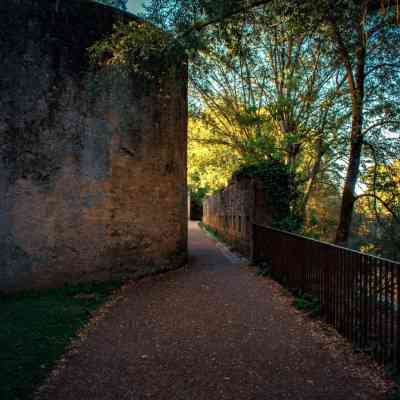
(348, 196)
(302, 208)
(353, 169)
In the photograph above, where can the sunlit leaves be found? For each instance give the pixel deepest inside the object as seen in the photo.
(140, 46)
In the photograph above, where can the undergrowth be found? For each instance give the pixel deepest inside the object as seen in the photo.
(302, 301)
(394, 394)
(312, 307)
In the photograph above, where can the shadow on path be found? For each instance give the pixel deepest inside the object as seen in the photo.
(211, 331)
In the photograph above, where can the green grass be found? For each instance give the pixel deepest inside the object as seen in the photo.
(35, 329)
(212, 232)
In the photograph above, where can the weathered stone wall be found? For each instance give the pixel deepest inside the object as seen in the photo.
(233, 210)
(92, 177)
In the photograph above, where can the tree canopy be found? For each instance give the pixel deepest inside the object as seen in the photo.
(315, 87)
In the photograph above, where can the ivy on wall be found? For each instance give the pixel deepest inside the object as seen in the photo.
(279, 194)
(136, 58)
(143, 48)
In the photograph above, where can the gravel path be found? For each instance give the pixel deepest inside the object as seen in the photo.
(211, 331)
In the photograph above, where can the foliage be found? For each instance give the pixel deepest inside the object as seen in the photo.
(323, 210)
(36, 327)
(143, 48)
(316, 87)
(137, 56)
(364, 37)
(258, 90)
(275, 177)
(376, 224)
(308, 304)
(210, 162)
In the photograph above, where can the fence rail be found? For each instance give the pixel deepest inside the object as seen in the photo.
(358, 293)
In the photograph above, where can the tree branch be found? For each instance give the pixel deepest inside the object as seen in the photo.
(199, 26)
(386, 205)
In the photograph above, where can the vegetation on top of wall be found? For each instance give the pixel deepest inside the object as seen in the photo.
(144, 49)
(135, 57)
(279, 194)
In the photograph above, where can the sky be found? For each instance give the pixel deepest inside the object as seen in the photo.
(135, 6)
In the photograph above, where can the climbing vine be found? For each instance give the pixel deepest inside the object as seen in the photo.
(279, 194)
(141, 47)
(136, 57)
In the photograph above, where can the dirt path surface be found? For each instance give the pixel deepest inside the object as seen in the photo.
(211, 331)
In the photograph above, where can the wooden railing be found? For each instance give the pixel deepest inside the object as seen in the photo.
(358, 293)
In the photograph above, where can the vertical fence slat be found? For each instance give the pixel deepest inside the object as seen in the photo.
(370, 308)
(343, 296)
(386, 322)
(392, 313)
(357, 288)
(350, 291)
(364, 269)
(397, 304)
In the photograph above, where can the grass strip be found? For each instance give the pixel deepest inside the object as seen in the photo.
(212, 232)
(36, 327)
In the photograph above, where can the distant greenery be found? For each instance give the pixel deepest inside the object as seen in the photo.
(210, 164)
(36, 327)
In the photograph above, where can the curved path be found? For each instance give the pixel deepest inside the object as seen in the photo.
(211, 331)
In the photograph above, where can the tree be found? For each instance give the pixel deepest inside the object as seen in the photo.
(210, 164)
(365, 39)
(377, 217)
(264, 88)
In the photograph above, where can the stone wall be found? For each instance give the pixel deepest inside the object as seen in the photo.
(92, 178)
(233, 210)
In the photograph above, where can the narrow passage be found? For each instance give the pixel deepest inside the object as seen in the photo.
(211, 331)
